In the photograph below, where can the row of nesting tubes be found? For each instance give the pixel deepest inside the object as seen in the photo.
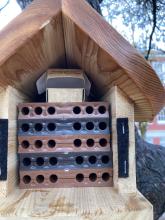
(64, 145)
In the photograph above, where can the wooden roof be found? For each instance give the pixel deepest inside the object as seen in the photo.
(70, 34)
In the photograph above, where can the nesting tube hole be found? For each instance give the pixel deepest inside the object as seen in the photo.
(51, 143)
(89, 109)
(77, 142)
(26, 179)
(90, 142)
(77, 126)
(90, 125)
(105, 159)
(25, 110)
(25, 127)
(25, 144)
(51, 126)
(103, 142)
(79, 177)
(102, 125)
(26, 162)
(76, 110)
(40, 179)
(38, 144)
(105, 176)
(38, 110)
(53, 178)
(51, 110)
(93, 177)
(92, 159)
(38, 127)
(40, 161)
(79, 160)
(102, 109)
(53, 161)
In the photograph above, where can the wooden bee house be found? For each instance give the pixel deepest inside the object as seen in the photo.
(67, 34)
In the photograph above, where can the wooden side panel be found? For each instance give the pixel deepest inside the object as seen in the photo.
(10, 98)
(121, 107)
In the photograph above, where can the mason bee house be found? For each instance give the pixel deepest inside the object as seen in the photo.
(71, 154)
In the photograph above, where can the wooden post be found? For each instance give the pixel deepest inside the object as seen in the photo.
(121, 107)
(9, 98)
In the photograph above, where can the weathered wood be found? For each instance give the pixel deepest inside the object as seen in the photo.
(75, 204)
(90, 43)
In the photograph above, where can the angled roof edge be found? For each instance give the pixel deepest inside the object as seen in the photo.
(35, 16)
(128, 58)
(41, 13)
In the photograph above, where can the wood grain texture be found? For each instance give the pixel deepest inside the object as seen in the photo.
(122, 107)
(10, 98)
(30, 44)
(66, 33)
(75, 204)
(65, 95)
(99, 38)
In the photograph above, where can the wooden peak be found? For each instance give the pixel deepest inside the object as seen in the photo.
(70, 34)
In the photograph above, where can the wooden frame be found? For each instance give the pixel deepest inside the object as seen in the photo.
(120, 202)
(70, 34)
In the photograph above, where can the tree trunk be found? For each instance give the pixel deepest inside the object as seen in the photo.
(150, 159)
(150, 165)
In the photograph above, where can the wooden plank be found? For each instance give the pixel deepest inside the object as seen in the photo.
(121, 107)
(65, 95)
(10, 98)
(75, 204)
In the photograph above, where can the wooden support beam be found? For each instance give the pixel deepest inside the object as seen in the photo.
(122, 107)
(9, 98)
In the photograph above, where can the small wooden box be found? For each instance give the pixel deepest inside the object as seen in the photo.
(65, 85)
